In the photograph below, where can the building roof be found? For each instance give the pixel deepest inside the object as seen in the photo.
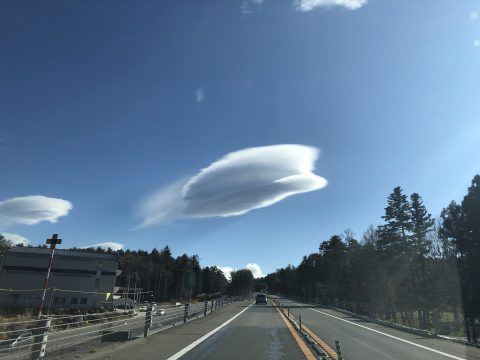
(59, 252)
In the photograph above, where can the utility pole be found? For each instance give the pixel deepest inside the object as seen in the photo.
(126, 295)
(135, 291)
(53, 243)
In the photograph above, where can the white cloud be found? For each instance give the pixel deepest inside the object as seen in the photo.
(255, 269)
(200, 95)
(105, 245)
(474, 15)
(15, 238)
(309, 5)
(227, 270)
(31, 210)
(476, 42)
(239, 182)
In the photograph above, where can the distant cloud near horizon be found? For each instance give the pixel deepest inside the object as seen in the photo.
(31, 210)
(309, 5)
(253, 267)
(105, 245)
(16, 239)
(236, 184)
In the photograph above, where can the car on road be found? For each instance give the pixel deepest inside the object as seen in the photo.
(260, 299)
(161, 312)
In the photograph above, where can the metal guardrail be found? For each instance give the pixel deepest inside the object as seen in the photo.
(53, 336)
(440, 322)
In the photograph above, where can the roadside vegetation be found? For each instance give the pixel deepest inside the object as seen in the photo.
(402, 268)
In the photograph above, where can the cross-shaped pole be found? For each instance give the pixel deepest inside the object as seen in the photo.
(53, 243)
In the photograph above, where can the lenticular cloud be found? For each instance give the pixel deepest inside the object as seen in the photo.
(31, 210)
(239, 182)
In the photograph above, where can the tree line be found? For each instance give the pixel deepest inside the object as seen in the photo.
(167, 277)
(410, 260)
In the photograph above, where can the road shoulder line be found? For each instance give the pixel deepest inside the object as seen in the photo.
(385, 334)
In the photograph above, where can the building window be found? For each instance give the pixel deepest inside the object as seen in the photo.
(83, 301)
(74, 301)
(59, 300)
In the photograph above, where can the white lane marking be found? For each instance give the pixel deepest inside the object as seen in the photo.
(388, 335)
(197, 342)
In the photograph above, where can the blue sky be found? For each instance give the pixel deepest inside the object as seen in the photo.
(103, 103)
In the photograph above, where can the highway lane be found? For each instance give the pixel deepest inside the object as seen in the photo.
(259, 333)
(237, 331)
(363, 340)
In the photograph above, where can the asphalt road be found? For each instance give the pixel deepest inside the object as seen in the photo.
(238, 331)
(363, 340)
(259, 333)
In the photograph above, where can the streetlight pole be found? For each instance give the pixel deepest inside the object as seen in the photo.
(53, 243)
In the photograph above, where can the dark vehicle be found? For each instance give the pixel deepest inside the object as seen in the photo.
(261, 299)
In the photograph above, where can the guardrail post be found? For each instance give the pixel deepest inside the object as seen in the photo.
(148, 320)
(185, 313)
(205, 309)
(339, 351)
(288, 311)
(300, 322)
(435, 320)
(211, 306)
(40, 338)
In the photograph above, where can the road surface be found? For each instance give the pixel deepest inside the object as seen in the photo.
(259, 333)
(363, 340)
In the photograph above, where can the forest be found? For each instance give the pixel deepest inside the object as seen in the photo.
(410, 260)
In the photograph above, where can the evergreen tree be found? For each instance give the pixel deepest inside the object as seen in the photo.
(395, 233)
(4, 244)
(421, 224)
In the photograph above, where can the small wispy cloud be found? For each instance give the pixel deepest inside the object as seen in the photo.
(105, 245)
(476, 42)
(250, 6)
(236, 184)
(200, 95)
(474, 15)
(309, 5)
(16, 239)
(31, 210)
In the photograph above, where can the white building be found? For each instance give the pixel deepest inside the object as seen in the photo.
(77, 280)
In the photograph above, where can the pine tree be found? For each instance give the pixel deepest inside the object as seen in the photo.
(395, 233)
(421, 224)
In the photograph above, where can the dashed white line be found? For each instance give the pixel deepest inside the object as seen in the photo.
(385, 334)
